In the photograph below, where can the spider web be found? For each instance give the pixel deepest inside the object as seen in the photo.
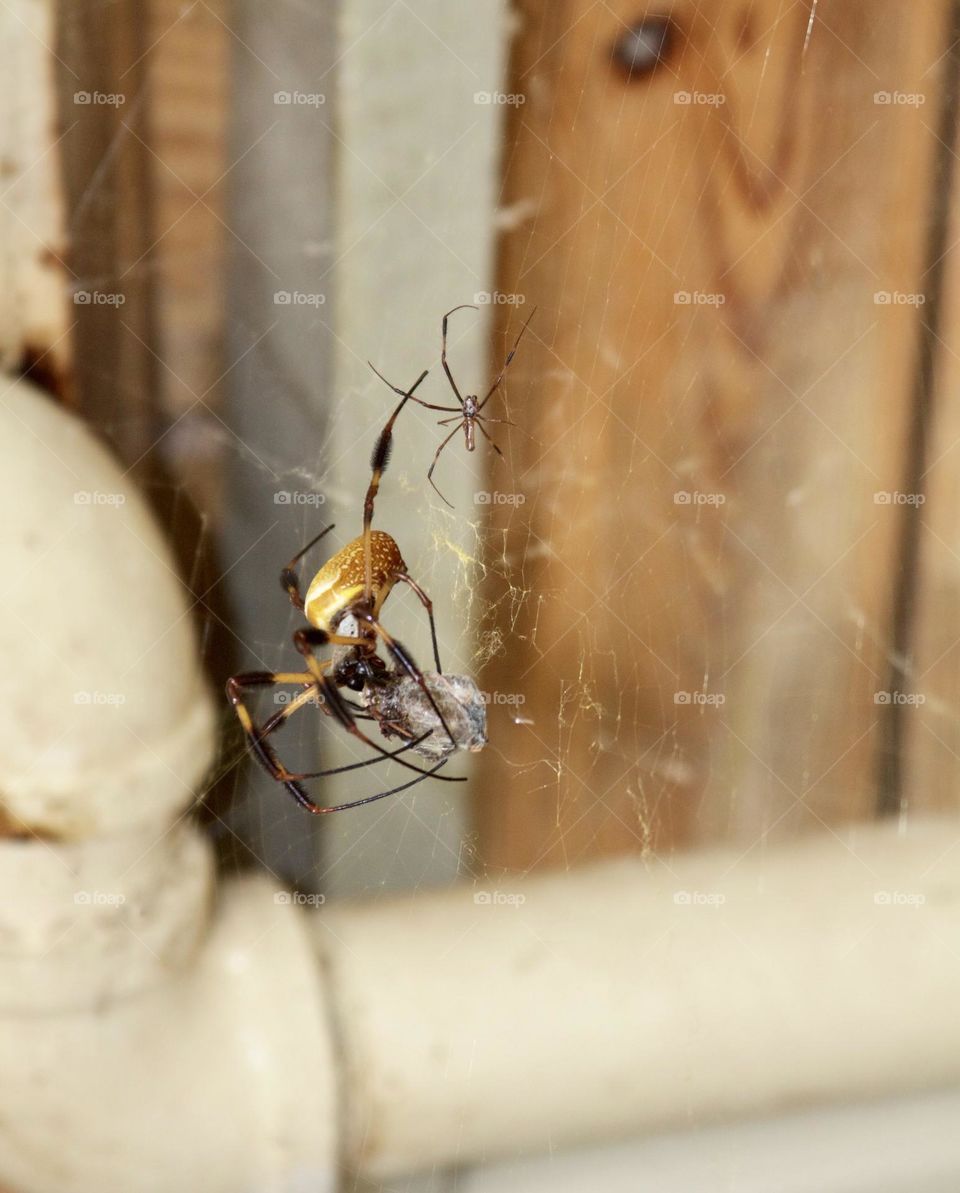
(381, 236)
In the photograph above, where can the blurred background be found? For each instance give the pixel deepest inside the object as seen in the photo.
(710, 588)
(722, 530)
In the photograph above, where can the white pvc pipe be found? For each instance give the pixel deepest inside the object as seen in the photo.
(635, 996)
(221, 1078)
(151, 1039)
(887, 1146)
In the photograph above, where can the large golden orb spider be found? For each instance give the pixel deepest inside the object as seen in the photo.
(350, 588)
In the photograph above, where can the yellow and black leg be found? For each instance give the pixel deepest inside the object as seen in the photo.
(288, 577)
(267, 757)
(378, 465)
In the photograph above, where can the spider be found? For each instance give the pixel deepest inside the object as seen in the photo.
(467, 414)
(351, 586)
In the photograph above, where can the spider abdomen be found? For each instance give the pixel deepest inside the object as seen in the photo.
(340, 582)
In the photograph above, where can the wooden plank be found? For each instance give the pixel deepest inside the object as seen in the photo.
(187, 74)
(928, 681)
(106, 173)
(777, 397)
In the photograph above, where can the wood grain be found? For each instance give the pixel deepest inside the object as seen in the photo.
(106, 173)
(927, 674)
(187, 69)
(715, 397)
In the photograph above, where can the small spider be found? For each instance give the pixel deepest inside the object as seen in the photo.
(342, 606)
(467, 414)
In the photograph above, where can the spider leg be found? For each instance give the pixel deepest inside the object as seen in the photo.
(428, 605)
(467, 306)
(378, 465)
(271, 724)
(268, 759)
(436, 457)
(261, 749)
(506, 363)
(405, 660)
(288, 577)
(489, 440)
(305, 640)
(403, 393)
(383, 794)
(310, 693)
